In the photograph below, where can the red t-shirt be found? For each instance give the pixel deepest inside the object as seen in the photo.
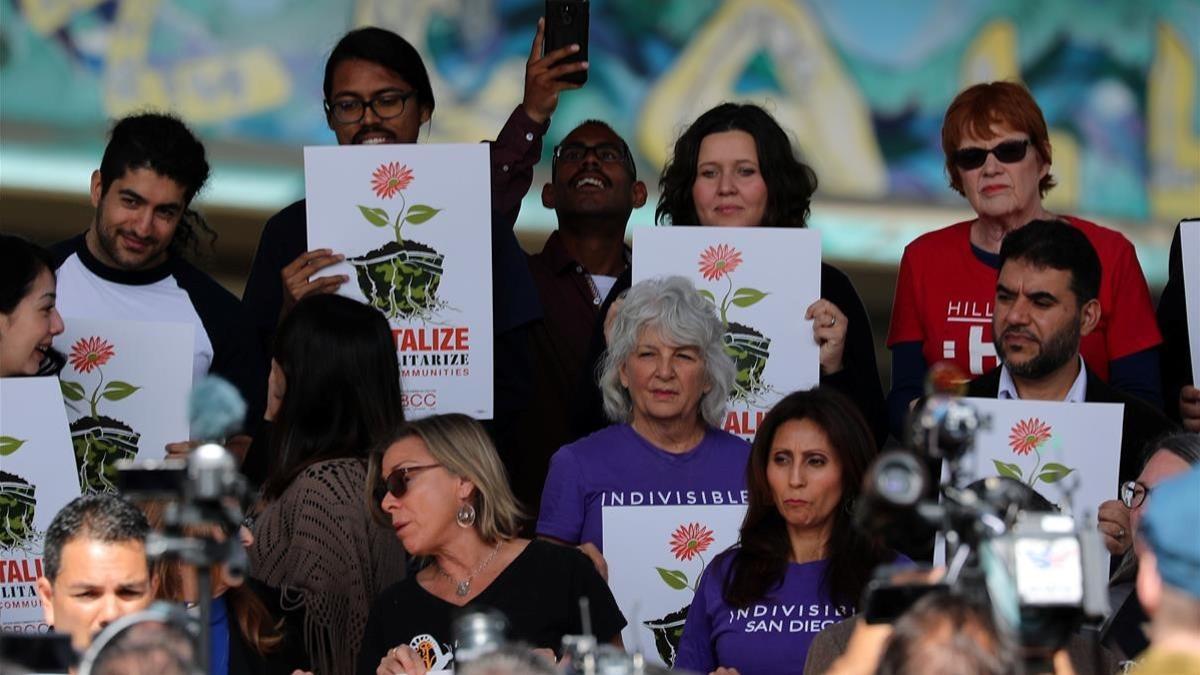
(944, 298)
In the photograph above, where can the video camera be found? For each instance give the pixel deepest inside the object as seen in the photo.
(1042, 572)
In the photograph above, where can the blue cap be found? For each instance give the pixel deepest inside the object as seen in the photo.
(1171, 525)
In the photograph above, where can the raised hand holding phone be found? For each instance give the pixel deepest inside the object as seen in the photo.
(545, 75)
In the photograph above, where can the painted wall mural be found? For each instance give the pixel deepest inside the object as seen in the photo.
(862, 85)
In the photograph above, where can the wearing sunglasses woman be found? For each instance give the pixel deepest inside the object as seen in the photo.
(997, 152)
(333, 394)
(443, 490)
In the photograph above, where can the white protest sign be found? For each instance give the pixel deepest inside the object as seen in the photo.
(414, 222)
(1054, 447)
(1189, 240)
(655, 557)
(37, 478)
(126, 387)
(761, 281)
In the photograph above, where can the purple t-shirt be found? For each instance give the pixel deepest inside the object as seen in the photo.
(617, 467)
(770, 637)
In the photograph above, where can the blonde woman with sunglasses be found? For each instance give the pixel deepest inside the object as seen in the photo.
(441, 487)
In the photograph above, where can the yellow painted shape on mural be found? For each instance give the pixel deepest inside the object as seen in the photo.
(992, 56)
(217, 88)
(1064, 153)
(47, 16)
(202, 90)
(820, 103)
(1173, 145)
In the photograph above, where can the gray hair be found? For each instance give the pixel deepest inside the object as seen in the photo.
(684, 317)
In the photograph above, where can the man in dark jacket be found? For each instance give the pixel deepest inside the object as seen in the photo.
(1045, 304)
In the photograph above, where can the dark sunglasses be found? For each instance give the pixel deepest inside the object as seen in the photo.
(1008, 152)
(396, 483)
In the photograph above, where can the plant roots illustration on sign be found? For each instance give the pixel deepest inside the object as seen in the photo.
(1030, 436)
(400, 278)
(748, 348)
(99, 441)
(687, 541)
(17, 502)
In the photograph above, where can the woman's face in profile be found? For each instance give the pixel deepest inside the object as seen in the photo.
(729, 190)
(26, 333)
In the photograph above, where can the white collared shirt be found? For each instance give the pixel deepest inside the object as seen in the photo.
(1008, 389)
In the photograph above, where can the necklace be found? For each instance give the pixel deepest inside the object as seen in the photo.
(462, 588)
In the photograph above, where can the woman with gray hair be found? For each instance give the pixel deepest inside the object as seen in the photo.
(665, 379)
(442, 488)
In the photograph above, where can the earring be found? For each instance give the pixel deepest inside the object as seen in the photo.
(465, 516)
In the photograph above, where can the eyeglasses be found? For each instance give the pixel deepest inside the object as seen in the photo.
(1008, 152)
(387, 105)
(575, 152)
(396, 483)
(1134, 493)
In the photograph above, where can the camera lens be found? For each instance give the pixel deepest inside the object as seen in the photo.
(898, 479)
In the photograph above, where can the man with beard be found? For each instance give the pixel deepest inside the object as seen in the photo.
(130, 265)
(593, 189)
(1046, 301)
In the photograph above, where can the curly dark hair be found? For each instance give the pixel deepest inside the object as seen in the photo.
(790, 182)
(163, 144)
(100, 517)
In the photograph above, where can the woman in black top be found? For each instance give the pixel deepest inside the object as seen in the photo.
(446, 496)
(735, 167)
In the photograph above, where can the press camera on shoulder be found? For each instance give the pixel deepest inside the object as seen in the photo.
(1043, 573)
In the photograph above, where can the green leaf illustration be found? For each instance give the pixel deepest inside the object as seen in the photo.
(1008, 470)
(1054, 472)
(674, 578)
(419, 213)
(117, 390)
(72, 391)
(9, 445)
(744, 297)
(708, 296)
(377, 217)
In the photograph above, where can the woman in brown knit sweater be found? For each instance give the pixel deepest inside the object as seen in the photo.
(334, 394)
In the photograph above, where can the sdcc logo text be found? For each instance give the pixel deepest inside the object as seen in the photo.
(433, 351)
(419, 400)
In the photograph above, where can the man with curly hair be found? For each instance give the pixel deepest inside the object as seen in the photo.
(130, 263)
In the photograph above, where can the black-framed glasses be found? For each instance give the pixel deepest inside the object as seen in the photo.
(576, 152)
(396, 482)
(1007, 152)
(1134, 493)
(387, 105)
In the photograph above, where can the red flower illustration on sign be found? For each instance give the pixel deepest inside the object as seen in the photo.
(690, 540)
(391, 178)
(1028, 435)
(89, 353)
(717, 261)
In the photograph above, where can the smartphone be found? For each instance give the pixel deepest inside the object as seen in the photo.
(567, 23)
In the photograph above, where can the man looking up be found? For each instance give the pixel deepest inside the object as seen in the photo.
(593, 189)
(129, 264)
(95, 566)
(1046, 301)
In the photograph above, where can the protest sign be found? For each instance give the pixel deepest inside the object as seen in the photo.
(414, 222)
